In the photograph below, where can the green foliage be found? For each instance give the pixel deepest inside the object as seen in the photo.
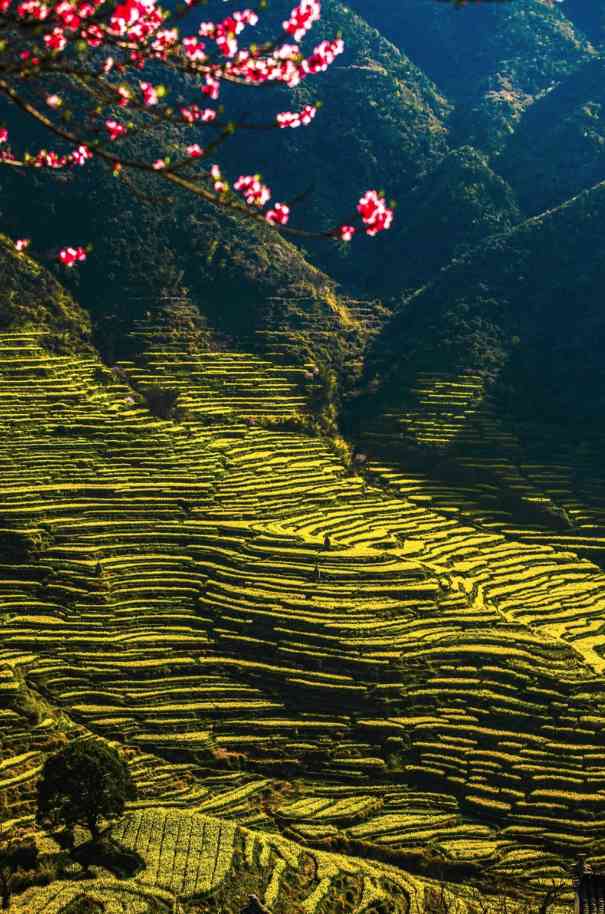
(31, 297)
(491, 59)
(468, 318)
(161, 401)
(83, 783)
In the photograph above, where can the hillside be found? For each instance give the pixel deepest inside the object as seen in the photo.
(179, 595)
(491, 60)
(315, 534)
(558, 147)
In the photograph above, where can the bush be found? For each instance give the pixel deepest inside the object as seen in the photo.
(161, 402)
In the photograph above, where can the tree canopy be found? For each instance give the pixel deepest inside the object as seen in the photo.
(84, 783)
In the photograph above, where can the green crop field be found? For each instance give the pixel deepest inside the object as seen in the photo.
(238, 610)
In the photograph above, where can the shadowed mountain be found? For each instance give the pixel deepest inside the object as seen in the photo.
(490, 59)
(380, 115)
(525, 307)
(589, 17)
(456, 206)
(558, 148)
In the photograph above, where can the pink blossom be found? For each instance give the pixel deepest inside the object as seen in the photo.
(93, 35)
(34, 9)
(55, 40)
(220, 185)
(164, 40)
(150, 96)
(69, 256)
(374, 212)
(193, 113)
(68, 15)
(346, 232)
(46, 159)
(302, 18)
(115, 129)
(193, 48)
(211, 88)
(321, 58)
(225, 33)
(136, 19)
(134, 30)
(22, 244)
(124, 96)
(81, 155)
(297, 119)
(255, 193)
(279, 215)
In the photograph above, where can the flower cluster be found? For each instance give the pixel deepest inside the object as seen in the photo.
(129, 34)
(254, 193)
(45, 158)
(69, 256)
(225, 33)
(297, 119)
(374, 212)
(193, 113)
(114, 129)
(278, 215)
(302, 18)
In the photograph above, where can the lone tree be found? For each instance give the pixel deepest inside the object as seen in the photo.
(85, 782)
(18, 855)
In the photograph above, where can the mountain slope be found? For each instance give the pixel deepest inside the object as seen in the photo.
(458, 204)
(30, 297)
(341, 673)
(490, 59)
(558, 148)
(504, 310)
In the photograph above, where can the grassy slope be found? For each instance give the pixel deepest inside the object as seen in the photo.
(184, 601)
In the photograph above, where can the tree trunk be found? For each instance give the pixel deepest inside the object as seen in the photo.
(93, 826)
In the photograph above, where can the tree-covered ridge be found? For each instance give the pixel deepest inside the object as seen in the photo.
(558, 148)
(490, 59)
(31, 298)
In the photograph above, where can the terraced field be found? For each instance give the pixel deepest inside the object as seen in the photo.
(540, 488)
(342, 659)
(191, 857)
